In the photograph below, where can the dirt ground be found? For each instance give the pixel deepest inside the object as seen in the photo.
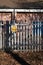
(21, 4)
(21, 58)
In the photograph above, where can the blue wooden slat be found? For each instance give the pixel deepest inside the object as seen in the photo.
(42, 28)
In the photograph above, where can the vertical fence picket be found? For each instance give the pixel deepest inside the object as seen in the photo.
(40, 36)
(12, 41)
(32, 39)
(20, 38)
(35, 37)
(18, 41)
(9, 36)
(23, 37)
(28, 37)
(29, 41)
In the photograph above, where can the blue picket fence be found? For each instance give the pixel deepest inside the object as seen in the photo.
(37, 27)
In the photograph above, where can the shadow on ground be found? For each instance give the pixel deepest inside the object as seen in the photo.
(17, 58)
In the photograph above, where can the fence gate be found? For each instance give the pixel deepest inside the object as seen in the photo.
(24, 36)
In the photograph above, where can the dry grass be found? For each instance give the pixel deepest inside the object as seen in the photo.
(33, 58)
